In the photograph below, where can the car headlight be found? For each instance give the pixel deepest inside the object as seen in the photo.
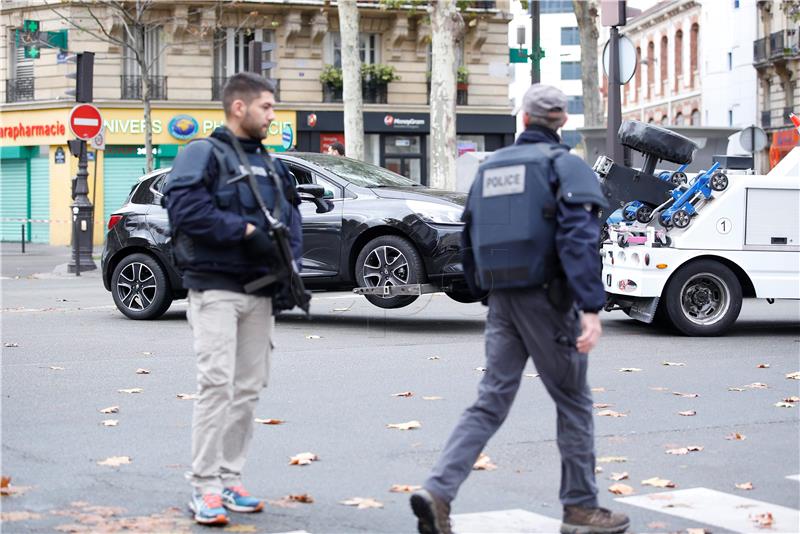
(436, 213)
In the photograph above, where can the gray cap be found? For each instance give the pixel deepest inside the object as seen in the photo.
(543, 101)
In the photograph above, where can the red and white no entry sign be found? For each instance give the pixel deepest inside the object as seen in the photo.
(85, 121)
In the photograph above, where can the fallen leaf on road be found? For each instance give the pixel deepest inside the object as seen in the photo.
(304, 498)
(131, 390)
(695, 448)
(110, 409)
(735, 389)
(115, 461)
(109, 422)
(611, 413)
(484, 463)
(688, 413)
(612, 459)
(56, 368)
(657, 525)
(4, 482)
(481, 369)
(19, 516)
(240, 528)
(142, 371)
(764, 520)
(673, 364)
(598, 469)
(362, 503)
(282, 503)
(598, 390)
(736, 437)
(403, 394)
(629, 370)
(793, 376)
(686, 395)
(403, 488)
(762, 366)
(601, 405)
(619, 476)
(11, 345)
(313, 337)
(784, 405)
(696, 531)
(187, 396)
(7, 490)
(659, 388)
(658, 483)
(745, 486)
(433, 398)
(434, 358)
(304, 458)
(792, 399)
(620, 489)
(678, 452)
(269, 421)
(411, 425)
(757, 385)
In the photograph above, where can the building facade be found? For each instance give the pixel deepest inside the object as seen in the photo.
(561, 66)
(193, 48)
(776, 58)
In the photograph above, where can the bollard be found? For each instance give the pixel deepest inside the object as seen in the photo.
(22, 242)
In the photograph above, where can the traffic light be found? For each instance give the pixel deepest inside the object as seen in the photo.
(83, 76)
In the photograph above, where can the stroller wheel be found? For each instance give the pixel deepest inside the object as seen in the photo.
(644, 214)
(681, 218)
(719, 182)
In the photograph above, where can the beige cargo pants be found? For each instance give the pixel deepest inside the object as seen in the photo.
(232, 333)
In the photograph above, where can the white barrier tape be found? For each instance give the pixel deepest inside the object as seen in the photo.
(20, 220)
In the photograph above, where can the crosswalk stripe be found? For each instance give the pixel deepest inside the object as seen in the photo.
(794, 477)
(505, 521)
(717, 508)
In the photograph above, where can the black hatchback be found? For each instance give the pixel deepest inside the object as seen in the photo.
(385, 234)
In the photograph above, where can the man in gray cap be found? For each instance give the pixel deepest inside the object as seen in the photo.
(531, 241)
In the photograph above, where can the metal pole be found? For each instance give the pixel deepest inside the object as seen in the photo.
(83, 215)
(22, 227)
(613, 146)
(536, 69)
(76, 247)
(94, 184)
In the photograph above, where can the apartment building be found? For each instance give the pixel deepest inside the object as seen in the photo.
(194, 46)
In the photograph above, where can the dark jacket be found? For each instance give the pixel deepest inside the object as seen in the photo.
(209, 216)
(577, 238)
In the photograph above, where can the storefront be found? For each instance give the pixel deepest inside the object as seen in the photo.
(37, 168)
(401, 141)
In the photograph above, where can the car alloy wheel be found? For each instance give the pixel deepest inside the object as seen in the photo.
(385, 266)
(136, 286)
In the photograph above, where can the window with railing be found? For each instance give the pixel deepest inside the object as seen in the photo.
(132, 87)
(776, 44)
(19, 89)
(766, 119)
(19, 85)
(760, 50)
(146, 42)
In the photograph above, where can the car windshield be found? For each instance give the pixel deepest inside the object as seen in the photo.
(358, 172)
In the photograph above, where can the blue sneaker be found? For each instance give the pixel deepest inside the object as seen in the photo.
(208, 509)
(237, 499)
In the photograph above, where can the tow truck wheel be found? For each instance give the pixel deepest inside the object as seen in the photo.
(644, 214)
(719, 182)
(703, 298)
(678, 178)
(386, 261)
(628, 213)
(681, 218)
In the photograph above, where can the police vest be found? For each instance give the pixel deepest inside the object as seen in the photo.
(199, 255)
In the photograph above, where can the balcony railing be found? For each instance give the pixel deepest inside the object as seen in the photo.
(371, 93)
(131, 87)
(218, 84)
(760, 50)
(19, 89)
(776, 44)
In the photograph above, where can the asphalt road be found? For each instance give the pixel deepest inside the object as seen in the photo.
(332, 382)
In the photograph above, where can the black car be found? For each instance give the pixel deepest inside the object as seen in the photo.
(385, 231)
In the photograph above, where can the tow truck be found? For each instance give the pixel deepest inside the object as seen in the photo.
(692, 271)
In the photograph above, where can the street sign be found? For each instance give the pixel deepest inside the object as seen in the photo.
(518, 55)
(85, 121)
(753, 139)
(99, 140)
(627, 59)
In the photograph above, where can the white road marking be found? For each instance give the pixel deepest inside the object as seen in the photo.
(794, 477)
(717, 508)
(505, 521)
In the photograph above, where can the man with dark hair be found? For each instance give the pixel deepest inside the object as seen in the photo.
(222, 242)
(530, 237)
(336, 149)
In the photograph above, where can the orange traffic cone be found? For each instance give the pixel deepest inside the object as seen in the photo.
(795, 120)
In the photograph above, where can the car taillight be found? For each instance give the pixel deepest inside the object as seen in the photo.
(113, 221)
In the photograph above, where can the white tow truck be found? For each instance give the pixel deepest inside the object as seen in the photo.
(743, 242)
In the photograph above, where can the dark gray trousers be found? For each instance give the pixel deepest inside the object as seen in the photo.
(523, 323)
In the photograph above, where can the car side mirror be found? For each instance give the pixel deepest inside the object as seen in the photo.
(310, 191)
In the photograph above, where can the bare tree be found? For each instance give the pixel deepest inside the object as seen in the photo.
(136, 20)
(351, 79)
(447, 32)
(586, 13)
